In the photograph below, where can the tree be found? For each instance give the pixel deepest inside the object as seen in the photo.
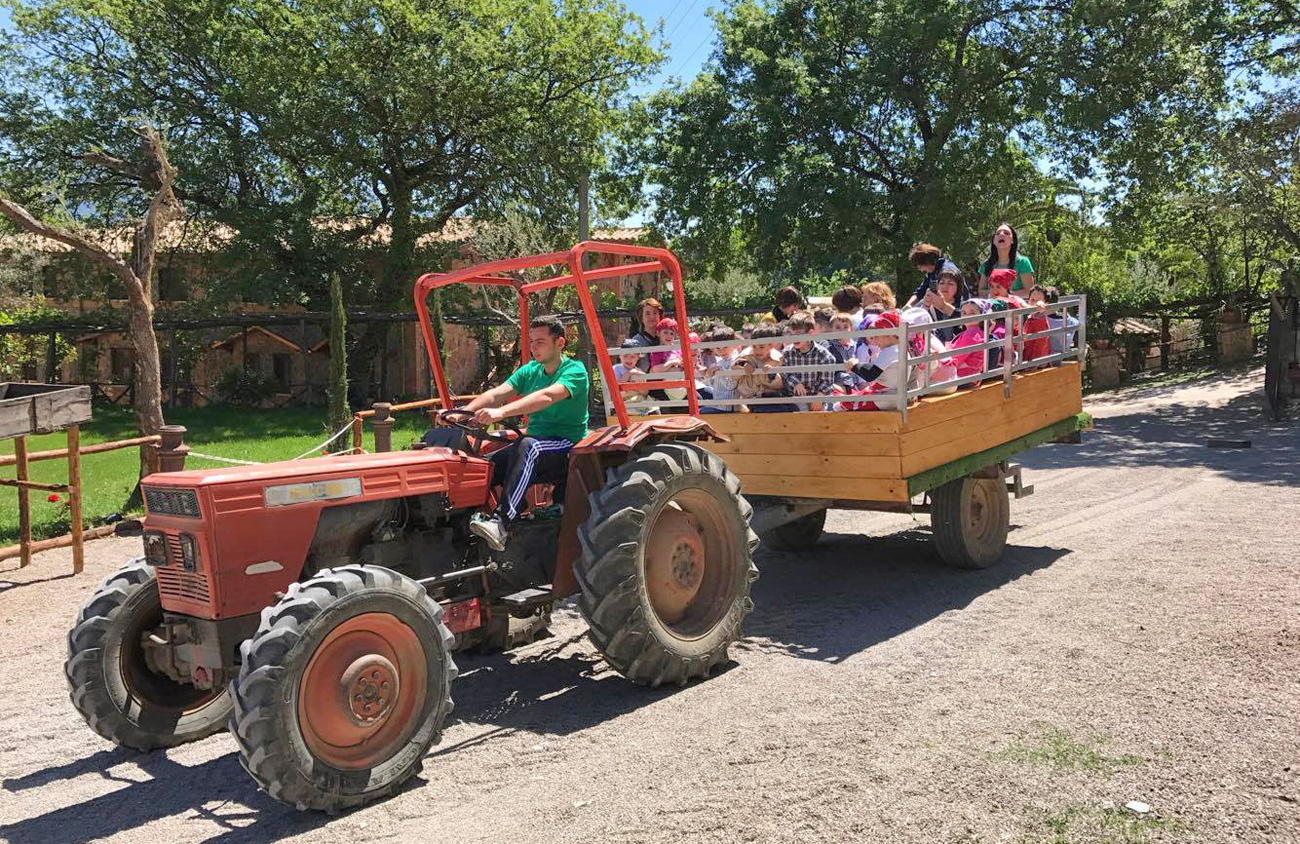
(135, 273)
(339, 413)
(387, 117)
(835, 133)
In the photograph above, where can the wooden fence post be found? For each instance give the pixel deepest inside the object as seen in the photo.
(74, 498)
(24, 504)
(382, 422)
(172, 448)
(1164, 343)
(357, 434)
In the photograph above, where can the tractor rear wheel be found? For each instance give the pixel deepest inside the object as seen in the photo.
(343, 688)
(666, 564)
(109, 677)
(797, 535)
(970, 518)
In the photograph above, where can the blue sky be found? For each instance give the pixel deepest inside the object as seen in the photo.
(688, 31)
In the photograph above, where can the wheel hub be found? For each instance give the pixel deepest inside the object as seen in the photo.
(360, 689)
(675, 563)
(686, 565)
(370, 685)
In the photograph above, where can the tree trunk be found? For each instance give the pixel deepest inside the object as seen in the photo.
(339, 412)
(148, 377)
(137, 277)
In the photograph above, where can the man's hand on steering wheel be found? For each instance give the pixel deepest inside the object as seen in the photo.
(470, 422)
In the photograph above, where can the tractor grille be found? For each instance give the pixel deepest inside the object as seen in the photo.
(178, 584)
(172, 502)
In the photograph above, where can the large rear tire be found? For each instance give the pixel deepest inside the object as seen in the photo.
(343, 688)
(970, 518)
(666, 564)
(109, 678)
(798, 535)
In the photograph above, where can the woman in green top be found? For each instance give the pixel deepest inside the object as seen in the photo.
(1004, 255)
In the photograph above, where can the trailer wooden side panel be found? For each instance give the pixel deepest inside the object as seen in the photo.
(869, 455)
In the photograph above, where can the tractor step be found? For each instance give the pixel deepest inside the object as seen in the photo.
(526, 598)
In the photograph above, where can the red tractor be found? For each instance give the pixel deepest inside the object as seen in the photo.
(313, 606)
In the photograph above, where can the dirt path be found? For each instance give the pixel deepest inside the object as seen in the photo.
(1141, 641)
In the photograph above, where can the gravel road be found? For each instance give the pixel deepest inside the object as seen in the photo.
(1139, 642)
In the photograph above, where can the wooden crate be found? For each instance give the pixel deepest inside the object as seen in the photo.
(869, 455)
(28, 408)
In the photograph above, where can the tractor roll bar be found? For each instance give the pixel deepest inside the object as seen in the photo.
(496, 273)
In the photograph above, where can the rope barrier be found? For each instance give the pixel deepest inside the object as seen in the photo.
(340, 432)
(203, 456)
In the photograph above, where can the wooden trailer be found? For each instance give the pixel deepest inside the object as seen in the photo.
(947, 453)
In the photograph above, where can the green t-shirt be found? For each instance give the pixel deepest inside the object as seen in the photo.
(1023, 267)
(566, 419)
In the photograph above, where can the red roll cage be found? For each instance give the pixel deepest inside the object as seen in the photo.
(490, 273)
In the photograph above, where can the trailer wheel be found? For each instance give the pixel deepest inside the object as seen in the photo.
(666, 564)
(970, 518)
(797, 535)
(110, 680)
(343, 688)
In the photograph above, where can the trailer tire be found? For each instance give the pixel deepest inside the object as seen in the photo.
(666, 565)
(110, 681)
(310, 717)
(796, 535)
(970, 518)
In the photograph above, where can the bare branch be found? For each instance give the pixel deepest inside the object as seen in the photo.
(24, 219)
(162, 209)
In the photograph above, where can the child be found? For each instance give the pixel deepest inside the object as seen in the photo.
(807, 353)
(668, 361)
(722, 386)
(1061, 340)
(886, 374)
(925, 343)
(1038, 347)
(822, 320)
(626, 371)
(842, 350)
(877, 293)
(758, 360)
(971, 363)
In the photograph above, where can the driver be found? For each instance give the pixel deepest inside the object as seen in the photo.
(551, 389)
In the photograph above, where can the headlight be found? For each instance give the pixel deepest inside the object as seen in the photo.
(189, 552)
(155, 549)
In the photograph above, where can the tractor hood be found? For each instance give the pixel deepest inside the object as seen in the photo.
(311, 468)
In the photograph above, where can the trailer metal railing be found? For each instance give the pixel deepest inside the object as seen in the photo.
(1073, 344)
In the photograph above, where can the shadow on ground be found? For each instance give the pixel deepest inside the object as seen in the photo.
(848, 594)
(854, 591)
(1176, 435)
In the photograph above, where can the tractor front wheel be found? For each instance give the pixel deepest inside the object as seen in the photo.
(343, 688)
(109, 677)
(666, 564)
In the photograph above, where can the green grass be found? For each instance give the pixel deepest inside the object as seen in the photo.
(1088, 825)
(108, 479)
(1057, 749)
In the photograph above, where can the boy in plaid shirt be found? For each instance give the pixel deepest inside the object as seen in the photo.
(808, 353)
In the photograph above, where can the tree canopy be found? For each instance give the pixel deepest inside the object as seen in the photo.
(387, 117)
(834, 133)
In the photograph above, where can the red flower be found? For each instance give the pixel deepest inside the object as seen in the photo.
(53, 498)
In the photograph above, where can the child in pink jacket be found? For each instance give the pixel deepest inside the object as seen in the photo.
(971, 363)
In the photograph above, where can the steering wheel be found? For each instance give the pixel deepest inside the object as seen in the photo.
(464, 419)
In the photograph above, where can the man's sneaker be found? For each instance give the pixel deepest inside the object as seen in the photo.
(491, 529)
